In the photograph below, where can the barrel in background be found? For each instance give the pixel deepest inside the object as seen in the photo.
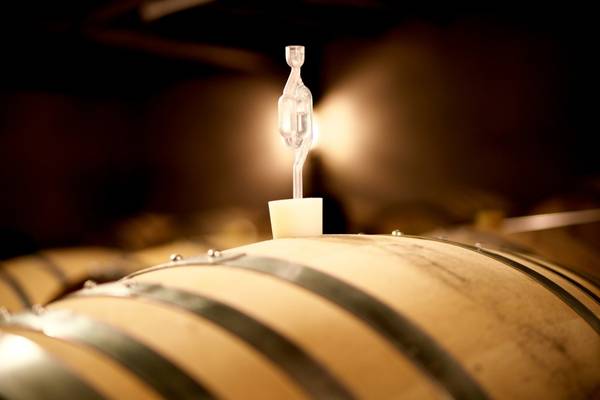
(49, 275)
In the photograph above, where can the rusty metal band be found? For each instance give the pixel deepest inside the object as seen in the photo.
(53, 268)
(585, 313)
(15, 286)
(157, 372)
(442, 369)
(315, 379)
(549, 268)
(28, 372)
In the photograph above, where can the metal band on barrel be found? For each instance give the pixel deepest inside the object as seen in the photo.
(158, 372)
(585, 313)
(27, 372)
(405, 336)
(549, 268)
(54, 268)
(553, 264)
(301, 368)
(15, 286)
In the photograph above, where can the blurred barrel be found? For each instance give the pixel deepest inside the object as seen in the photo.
(558, 245)
(48, 275)
(39, 278)
(334, 317)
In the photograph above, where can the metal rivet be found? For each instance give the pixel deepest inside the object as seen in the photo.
(38, 309)
(4, 314)
(89, 284)
(396, 232)
(213, 253)
(479, 246)
(175, 257)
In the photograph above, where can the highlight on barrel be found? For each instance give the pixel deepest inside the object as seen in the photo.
(333, 317)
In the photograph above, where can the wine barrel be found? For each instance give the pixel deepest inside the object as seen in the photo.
(43, 277)
(39, 278)
(333, 317)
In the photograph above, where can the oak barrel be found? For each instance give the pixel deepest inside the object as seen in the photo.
(48, 275)
(333, 317)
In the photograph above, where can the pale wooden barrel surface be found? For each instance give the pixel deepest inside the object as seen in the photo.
(374, 317)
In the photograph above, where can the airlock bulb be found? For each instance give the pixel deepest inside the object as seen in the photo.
(295, 115)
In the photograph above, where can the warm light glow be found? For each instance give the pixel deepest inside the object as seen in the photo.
(315, 132)
(365, 137)
(18, 350)
(337, 135)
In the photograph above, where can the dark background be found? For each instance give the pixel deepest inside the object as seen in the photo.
(110, 111)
